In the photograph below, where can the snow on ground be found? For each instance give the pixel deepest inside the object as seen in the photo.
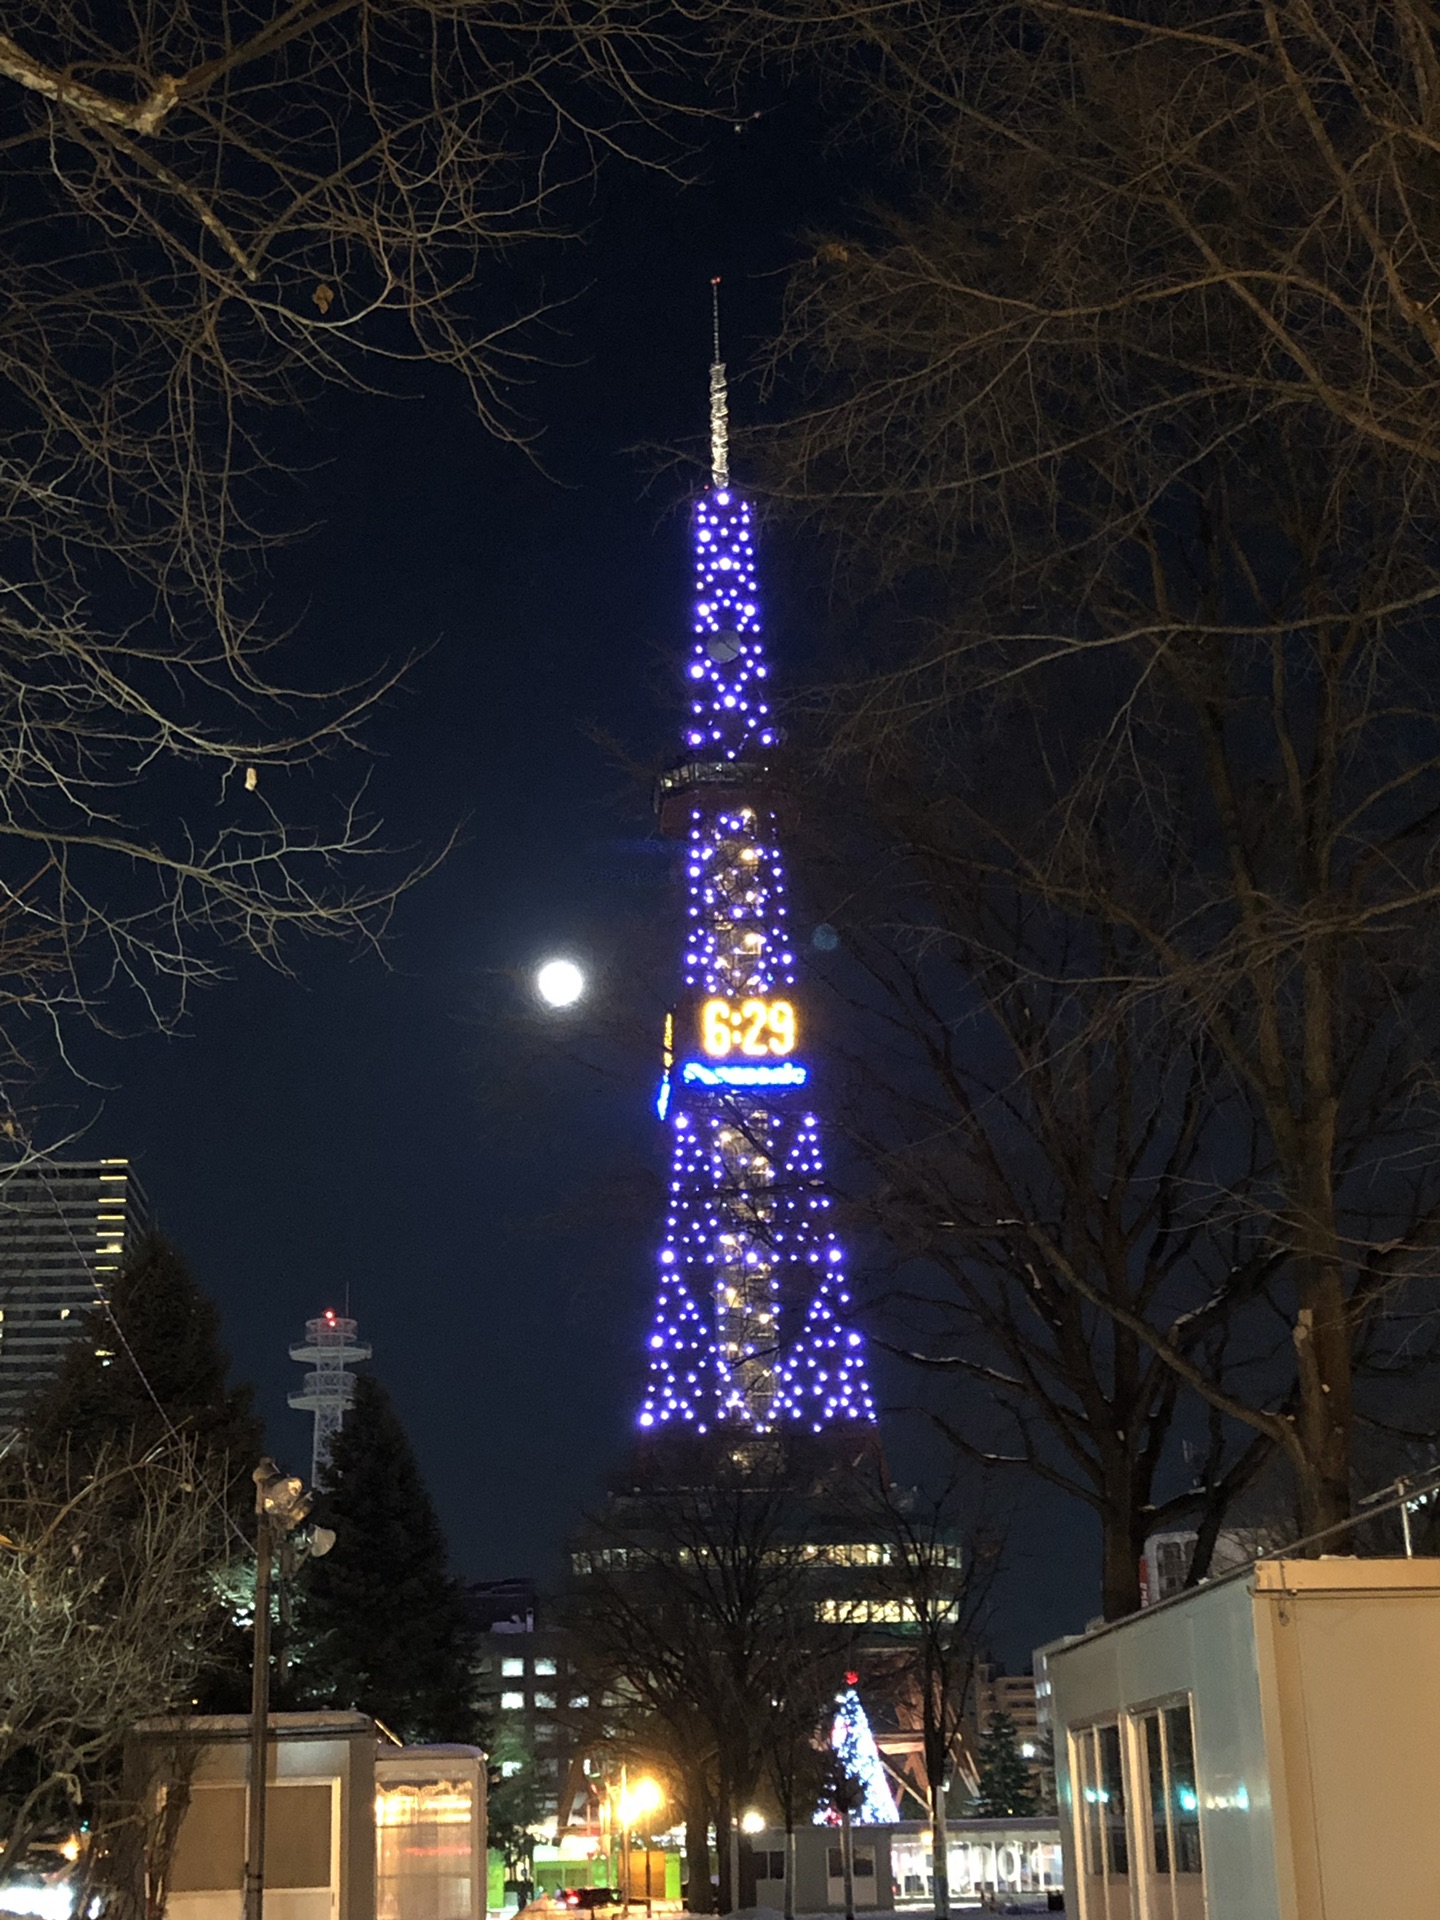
(1015, 1903)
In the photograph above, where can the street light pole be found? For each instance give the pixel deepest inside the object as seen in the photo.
(281, 1503)
(259, 1716)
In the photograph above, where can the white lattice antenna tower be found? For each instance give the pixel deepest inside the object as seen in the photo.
(719, 400)
(327, 1390)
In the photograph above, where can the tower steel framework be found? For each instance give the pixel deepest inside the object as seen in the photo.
(328, 1389)
(751, 1327)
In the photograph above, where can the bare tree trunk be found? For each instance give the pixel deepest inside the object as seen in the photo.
(697, 1848)
(847, 1861)
(1122, 1543)
(1323, 1341)
(725, 1846)
(790, 1852)
(939, 1849)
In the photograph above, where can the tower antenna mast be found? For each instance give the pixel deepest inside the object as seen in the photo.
(719, 405)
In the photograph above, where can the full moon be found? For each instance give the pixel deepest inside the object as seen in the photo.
(560, 983)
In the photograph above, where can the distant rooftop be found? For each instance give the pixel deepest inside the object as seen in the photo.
(502, 1606)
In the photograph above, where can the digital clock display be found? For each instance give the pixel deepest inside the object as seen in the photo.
(750, 1029)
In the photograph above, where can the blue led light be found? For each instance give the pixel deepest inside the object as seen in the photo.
(698, 1073)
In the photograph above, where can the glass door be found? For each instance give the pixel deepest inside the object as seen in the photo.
(1174, 1867)
(1098, 1770)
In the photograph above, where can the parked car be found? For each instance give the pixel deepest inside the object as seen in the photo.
(567, 1900)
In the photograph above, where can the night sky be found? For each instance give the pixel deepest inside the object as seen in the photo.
(357, 1129)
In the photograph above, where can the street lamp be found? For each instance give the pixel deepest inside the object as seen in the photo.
(645, 1796)
(281, 1503)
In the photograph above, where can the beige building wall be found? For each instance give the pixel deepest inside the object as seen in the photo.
(320, 1814)
(1348, 1655)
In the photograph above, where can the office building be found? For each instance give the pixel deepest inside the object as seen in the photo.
(65, 1227)
(525, 1687)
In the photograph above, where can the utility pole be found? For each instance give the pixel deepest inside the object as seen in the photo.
(259, 1705)
(281, 1503)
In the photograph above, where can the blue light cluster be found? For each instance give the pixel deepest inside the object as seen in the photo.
(728, 712)
(751, 1318)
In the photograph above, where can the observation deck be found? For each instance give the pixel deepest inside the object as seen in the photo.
(330, 1343)
(678, 785)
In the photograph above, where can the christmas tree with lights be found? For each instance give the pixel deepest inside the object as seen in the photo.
(855, 1749)
(752, 1329)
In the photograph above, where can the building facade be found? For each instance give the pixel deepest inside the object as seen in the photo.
(1013, 1694)
(65, 1228)
(528, 1691)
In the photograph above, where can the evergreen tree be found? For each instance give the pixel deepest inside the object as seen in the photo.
(859, 1757)
(149, 1361)
(144, 1366)
(515, 1802)
(1007, 1784)
(382, 1625)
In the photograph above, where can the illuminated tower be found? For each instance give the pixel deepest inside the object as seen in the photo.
(327, 1390)
(751, 1328)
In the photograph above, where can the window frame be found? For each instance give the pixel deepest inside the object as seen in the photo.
(1144, 1890)
(1161, 1886)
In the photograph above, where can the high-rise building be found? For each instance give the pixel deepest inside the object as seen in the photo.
(526, 1688)
(65, 1227)
(329, 1349)
(751, 1330)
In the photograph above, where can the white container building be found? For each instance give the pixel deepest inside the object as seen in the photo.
(1264, 1747)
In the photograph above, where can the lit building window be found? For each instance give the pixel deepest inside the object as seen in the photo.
(545, 1666)
(545, 1702)
(512, 1669)
(512, 1702)
(869, 1612)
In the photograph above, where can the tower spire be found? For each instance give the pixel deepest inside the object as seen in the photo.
(719, 399)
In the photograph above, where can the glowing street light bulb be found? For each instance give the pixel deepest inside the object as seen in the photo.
(560, 983)
(643, 1796)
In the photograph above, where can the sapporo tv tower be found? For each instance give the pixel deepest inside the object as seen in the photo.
(751, 1319)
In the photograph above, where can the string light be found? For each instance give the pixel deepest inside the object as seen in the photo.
(751, 1315)
(854, 1744)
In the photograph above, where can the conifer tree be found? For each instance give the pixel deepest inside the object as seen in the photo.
(382, 1625)
(147, 1366)
(1007, 1784)
(147, 1363)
